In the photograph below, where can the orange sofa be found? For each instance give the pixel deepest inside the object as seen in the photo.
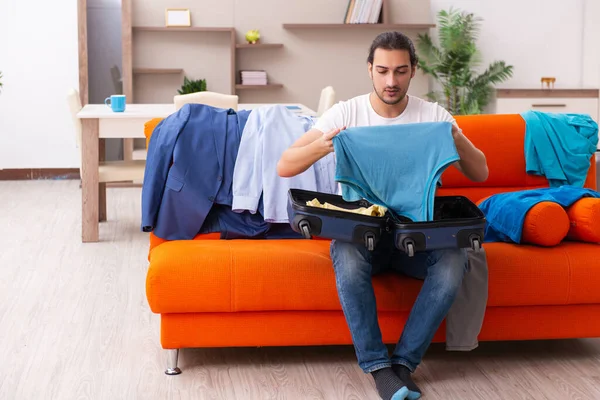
(226, 293)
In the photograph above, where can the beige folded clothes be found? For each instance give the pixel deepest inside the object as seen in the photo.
(373, 211)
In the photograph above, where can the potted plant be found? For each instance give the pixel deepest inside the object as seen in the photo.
(452, 64)
(192, 86)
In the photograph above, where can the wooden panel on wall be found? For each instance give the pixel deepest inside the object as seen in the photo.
(127, 76)
(126, 34)
(83, 51)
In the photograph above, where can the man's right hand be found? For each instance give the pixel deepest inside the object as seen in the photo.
(325, 142)
(309, 148)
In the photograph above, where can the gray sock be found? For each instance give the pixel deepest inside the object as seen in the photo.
(404, 374)
(389, 385)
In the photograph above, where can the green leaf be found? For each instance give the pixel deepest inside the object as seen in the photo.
(452, 62)
(192, 86)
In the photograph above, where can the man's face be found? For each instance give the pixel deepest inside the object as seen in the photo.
(391, 73)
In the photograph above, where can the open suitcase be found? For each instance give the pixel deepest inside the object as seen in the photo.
(458, 223)
(332, 224)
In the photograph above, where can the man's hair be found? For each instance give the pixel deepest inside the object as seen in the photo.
(393, 41)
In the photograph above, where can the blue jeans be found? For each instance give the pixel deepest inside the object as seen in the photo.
(442, 271)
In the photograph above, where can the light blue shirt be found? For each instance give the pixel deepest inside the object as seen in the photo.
(397, 166)
(269, 131)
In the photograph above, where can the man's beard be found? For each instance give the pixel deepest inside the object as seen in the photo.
(390, 102)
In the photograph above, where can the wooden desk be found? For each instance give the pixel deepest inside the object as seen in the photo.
(100, 122)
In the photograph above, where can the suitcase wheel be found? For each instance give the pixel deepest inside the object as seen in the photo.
(475, 243)
(370, 241)
(304, 226)
(409, 247)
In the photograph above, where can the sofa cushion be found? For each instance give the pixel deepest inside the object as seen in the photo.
(252, 275)
(524, 275)
(584, 217)
(241, 275)
(545, 224)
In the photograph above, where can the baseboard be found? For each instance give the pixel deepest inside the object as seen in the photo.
(38, 173)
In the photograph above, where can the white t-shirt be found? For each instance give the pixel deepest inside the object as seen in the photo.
(358, 111)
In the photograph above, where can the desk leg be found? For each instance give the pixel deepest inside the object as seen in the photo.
(102, 186)
(89, 181)
(128, 149)
(102, 202)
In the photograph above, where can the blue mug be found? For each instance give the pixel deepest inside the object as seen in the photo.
(116, 102)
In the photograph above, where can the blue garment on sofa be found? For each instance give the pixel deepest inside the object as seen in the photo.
(245, 225)
(189, 168)
(559, 146)
(505, 212)
(397, 166)
(187, 186)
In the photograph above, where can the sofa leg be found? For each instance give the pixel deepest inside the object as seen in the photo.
(172, 356)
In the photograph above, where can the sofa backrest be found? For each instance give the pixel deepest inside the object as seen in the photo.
(501, 137)
(149, 128)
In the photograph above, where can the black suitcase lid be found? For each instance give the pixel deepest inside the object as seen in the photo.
(449, 211)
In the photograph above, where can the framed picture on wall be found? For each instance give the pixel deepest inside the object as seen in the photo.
(178, 17)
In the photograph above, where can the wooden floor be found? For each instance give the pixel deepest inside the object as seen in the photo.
(75, 324)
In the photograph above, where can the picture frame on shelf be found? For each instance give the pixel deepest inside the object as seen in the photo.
(178, 17)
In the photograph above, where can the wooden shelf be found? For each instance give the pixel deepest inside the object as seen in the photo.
(157, 71)
(268, 86)
(182, 29)
(524, 93)
(359, 26)
(258, 45)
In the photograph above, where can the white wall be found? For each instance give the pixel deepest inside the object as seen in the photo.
(538, 37)
(591, 49)
(39, 62)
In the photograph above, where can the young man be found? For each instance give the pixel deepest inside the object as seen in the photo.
(391, 64)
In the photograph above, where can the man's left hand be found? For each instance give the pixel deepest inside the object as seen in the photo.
(456, 131)
(472, 161)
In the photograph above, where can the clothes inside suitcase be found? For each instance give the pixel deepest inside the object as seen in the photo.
(457, 223)
(333, 224)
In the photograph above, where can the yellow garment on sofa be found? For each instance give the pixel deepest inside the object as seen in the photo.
(373, 211)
